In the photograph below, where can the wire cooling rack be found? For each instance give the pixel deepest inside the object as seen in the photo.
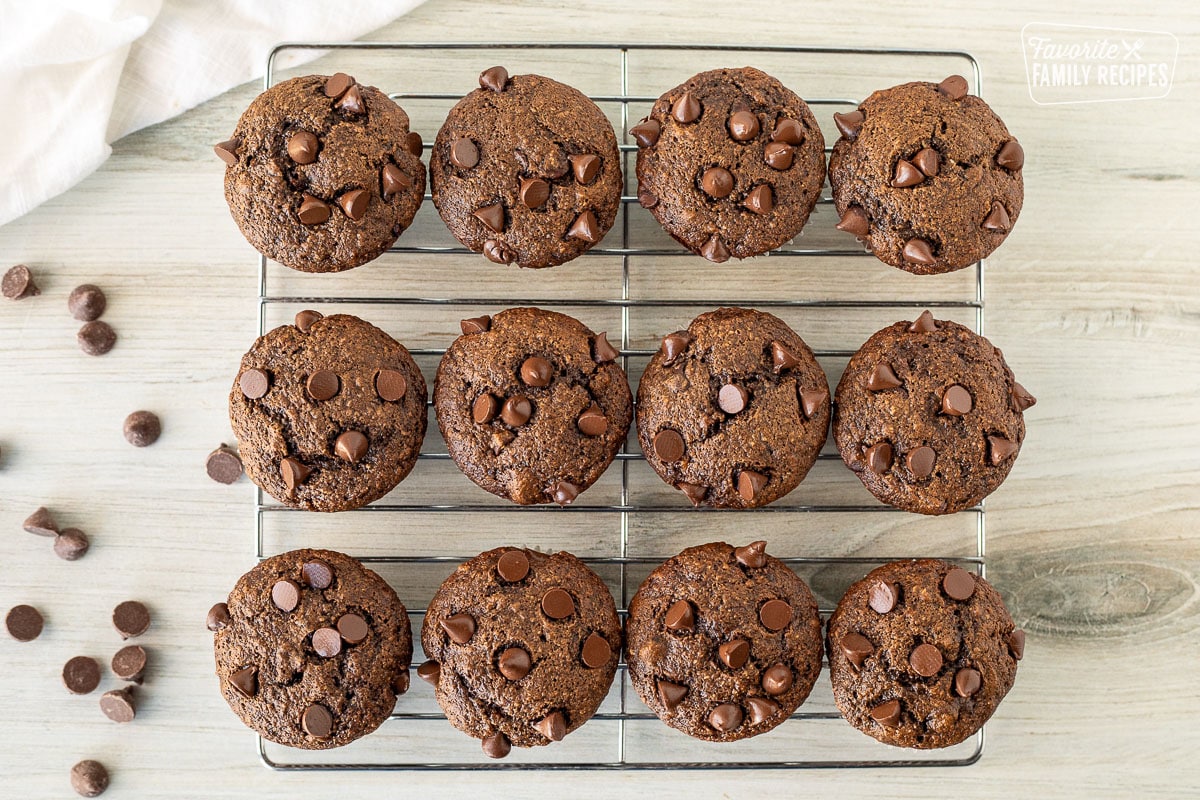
(638, 285)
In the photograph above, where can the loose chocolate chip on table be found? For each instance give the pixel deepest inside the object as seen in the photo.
(41, 522)
(777, 679)
(18, 284)
(227, 151)
(353, 628)
(86, 302)
(460, 628)
(967, 682)
(956, 401)
(327, 642)
(302, 147)
(512, 566)
(734, 654)
(131, 618)
(732, 398)
(223, 465)
(857, 648)
(596, 651)
(351, 446)
(761, 709)
(959, 584)
(680, 617)
(81, 675)
(775, 614)
(883, 596)
(96, 338)
(89, 778)
(285, 595)
(514, 663)
(557, 603)
(926, 660)
(245, 681)
(553, 726)
(753, 555)
(494, 78)
(317, 721)
(24, 623)
(218, 617)
(129, 663)
(726, 717)
(430, 671)
(670, 694)
(142, 428)
(496, 745)
(119, 705)
(668, 445)
(71, 545)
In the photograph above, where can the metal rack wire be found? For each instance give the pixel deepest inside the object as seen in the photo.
(622, 711)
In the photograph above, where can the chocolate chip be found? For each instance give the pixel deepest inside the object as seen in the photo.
(759, 200)
(89, 778)
(492, 216)
(592, 421)
(218, 618)
(459, 627)
(668, 445)
(463, 153)
(498, 252)
(475, 324)
(750, 484)
(337, 84)
(646, 199)
(680, 617)
(293, 472)
(390, 385)
(856, 648)
(923, 324)
(41, 522)
(413, 143)
(967, 682)
(1011, 156)
(959, 584)
(602, 351)
(129, 663)
(879, 457)
(245, 681)
(743, 126)
(887, 714)
(883, 596)
(1016, 643)
(778, 155)
(118, 705)
(313, 211)
(1000, 449)
(789, 131)
(926, 660)
(734, 654)
(534, 192)
(732, 398)
(81, 675)
(670, 694)
(227, 151)
(686, 109)
(24, 623)
(585, 227)
(512, 566)
(514, 663)
(351, 446)
(354, 203)
(917, 251)
(920, 461)
(646, 132)
(673, 344)
(322, 385)
(956, 400)
(317, 721)
(87, 302)
(954, 87)
(854, 221)
(725, 717)
(142, 428)
(327, 642)
(302, 147)
(564, 492)
(96, 338)
(351, 102)
(496, 745)
(430, 672)
(71, 545)
(1021, 398)
(715, 250)
(516, 411)
(761, 709)
(352, 628)
(484, 409)
(811, 400)
(536, 371)
(131, 619)
(775, 615)
(553, 726)
(557, 603)
(782, 358)
(906, 175)
(882, 378)
(494, 78)
(927, 160)
(18, 284)
(285, 594)
(717, 182)
(753, 555)
(254, 383)
(997, 219)
(596, 651)
(695, 493)
(393, 181)
(305, 319)
(849, 123)
(586, 167)
(317, 574)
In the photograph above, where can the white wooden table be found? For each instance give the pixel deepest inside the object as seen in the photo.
(1093, 540)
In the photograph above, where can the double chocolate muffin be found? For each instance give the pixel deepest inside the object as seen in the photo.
(329, 412)
(312, 649)
(532, 404)
(929, 416)
(525, 170)
(323, 173)
(723, 643)
(733, 411)
(522, 647)
(921, 653)
(730, 163)
(927, 175)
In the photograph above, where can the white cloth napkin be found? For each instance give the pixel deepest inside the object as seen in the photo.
(80, 74)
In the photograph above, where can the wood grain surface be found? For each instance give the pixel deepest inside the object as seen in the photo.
(1094, 539)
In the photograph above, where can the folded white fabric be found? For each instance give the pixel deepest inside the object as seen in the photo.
(80, 74)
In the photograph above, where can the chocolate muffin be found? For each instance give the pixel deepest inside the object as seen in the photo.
(329, 413)
(523, 647)
(532, 404)
(323, 173)
(525, 170)
(929, 417)
(723, 643)
(921, 653)
(927, 176)
(733, 411)
(730, 163)
(312, 649)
